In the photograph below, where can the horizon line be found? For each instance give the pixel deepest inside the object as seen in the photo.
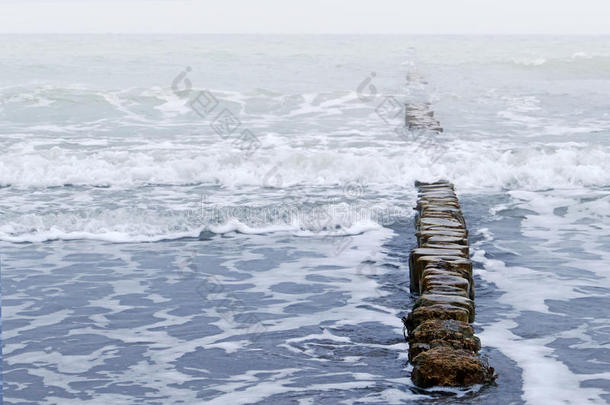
(309, 33)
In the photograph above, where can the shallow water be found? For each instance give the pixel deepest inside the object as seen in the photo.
(145, 259)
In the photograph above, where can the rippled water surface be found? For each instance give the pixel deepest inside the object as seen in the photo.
(147, 258)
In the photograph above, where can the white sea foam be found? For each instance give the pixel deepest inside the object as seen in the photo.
(547, 377)
(469, 164)
(122, 225)
(532, 61)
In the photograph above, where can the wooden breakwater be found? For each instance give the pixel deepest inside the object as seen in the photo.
(442, 346)
(421, 116)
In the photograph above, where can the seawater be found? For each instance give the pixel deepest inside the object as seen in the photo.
(147, 258)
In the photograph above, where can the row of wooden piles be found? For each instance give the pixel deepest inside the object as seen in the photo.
(442, 346)
(421, 116)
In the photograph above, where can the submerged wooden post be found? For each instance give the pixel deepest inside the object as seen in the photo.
(421, 116)
(442, 346)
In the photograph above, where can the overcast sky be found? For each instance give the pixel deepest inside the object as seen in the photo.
(308, 16)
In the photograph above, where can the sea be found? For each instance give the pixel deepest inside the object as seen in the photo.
(223, 219)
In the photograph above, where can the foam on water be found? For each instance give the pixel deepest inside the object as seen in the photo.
(552, 219)
(471, 164)
(167, 344)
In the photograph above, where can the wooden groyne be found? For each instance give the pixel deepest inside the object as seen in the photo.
(442, 346)
(421, 116)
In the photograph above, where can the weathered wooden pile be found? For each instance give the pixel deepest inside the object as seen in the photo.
(442, 346)
(421, 116)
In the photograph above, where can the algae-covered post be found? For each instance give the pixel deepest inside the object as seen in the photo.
(442, 346)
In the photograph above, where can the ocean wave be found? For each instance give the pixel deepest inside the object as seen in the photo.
(158, 104)
(469, 164)
(576, 62)
(123, 225)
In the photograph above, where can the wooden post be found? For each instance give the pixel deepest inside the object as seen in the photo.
(442, 344)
